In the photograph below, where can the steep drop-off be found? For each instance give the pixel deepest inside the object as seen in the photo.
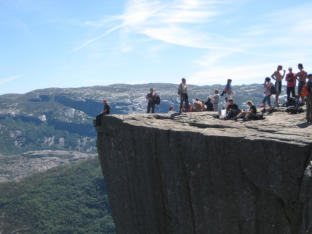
(192, 173)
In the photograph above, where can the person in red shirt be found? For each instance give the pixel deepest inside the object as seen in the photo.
(291, 83)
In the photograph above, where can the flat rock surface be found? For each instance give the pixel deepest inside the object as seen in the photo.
(278, 126)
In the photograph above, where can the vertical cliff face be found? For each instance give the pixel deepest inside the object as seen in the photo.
(196, 174)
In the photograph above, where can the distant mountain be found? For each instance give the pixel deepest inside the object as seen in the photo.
(61, 120)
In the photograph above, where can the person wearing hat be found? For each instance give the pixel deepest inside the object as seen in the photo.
(309, 99)
(291, 83)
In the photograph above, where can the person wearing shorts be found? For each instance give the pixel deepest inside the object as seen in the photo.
(278, 82)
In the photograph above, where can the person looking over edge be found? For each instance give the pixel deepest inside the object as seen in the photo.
(228, 90)
(291, 83)
(106, 109)
(301, 76)
(267, 93)
(183, 95)
(309, 100)
(150, 97)
(278, 82)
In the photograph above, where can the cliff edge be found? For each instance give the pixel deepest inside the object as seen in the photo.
(192, 173)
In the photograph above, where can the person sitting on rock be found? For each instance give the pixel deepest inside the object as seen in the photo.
(106, 109)
(209, 104)
(197, 106)
(203, 106)
(250, 114)
(232, 110)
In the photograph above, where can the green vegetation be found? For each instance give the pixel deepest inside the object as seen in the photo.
(69, 199)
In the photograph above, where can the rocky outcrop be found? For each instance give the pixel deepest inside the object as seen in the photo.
(192, 173)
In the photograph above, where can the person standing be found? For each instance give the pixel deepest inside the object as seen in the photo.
(301, 76)
(150, 97)
(267, 93)
(309, 100)
(183, 95)
(228, 90)
(216, 98)
(291, 83)
(278, 82)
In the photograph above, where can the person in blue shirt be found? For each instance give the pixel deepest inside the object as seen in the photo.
(228, 90)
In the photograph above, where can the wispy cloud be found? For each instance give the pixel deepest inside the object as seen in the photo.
(9, 79)
(167, 21)
(90, 41)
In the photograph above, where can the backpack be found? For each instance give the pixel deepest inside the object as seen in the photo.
(273, 90)
(305, 91)
(157, 100)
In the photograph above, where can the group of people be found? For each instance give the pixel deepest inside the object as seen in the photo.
(231, 110)
(304, 91)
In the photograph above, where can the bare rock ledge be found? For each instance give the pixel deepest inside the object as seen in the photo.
(192, 173)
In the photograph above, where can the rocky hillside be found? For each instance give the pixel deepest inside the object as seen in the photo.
(192, 173)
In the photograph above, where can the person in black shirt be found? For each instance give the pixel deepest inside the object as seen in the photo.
(250, 114)
(106, 109)
(232, 110)
(150, 97)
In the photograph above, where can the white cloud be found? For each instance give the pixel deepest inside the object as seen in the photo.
(9, 79)
(167, 21)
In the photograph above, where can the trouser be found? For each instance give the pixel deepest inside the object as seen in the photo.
(292, 91)
(232, 113)
(267, 99)
(184, 98)
(149, 106)
(309, 108)
(215, 106)
(228, 97)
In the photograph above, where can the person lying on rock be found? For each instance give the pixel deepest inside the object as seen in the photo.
(232, 110)
(250, 114)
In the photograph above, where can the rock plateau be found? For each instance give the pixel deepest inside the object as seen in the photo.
(192, 173)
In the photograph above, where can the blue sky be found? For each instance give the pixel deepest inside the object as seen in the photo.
(57, 43)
